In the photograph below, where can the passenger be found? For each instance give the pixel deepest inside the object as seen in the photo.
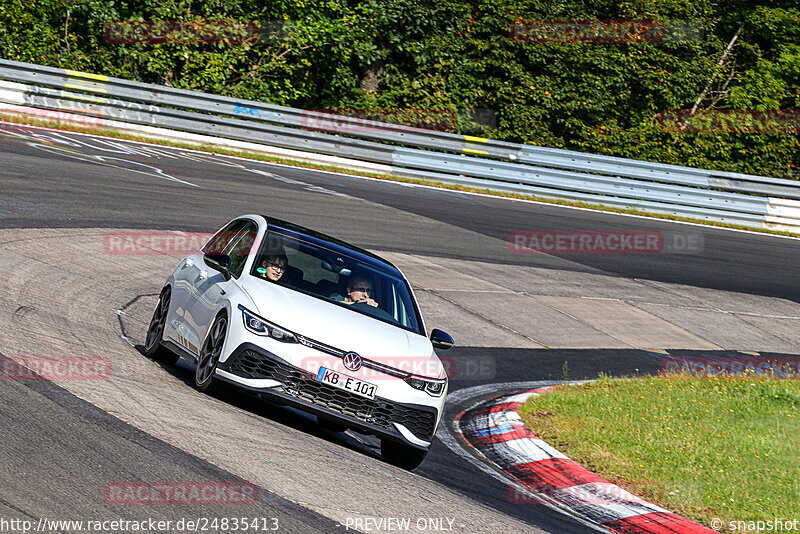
(359, 289)
(273, 267)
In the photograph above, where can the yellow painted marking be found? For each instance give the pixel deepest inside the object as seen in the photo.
(87, 75)
(475, 139)
(476, 151)
(82, 88)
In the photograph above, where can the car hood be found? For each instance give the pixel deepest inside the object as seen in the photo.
(343, 329)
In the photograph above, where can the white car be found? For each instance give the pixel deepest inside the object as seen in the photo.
(308, 321)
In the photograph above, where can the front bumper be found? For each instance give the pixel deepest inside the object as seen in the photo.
(299, 389)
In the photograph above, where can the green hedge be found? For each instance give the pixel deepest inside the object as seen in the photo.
(452, 55)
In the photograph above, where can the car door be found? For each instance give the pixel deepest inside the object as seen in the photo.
(211, 288)
(190, 277)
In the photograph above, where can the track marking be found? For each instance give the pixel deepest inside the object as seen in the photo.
(468, 396)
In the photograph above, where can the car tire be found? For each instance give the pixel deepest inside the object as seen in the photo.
(333, 426)
(209, 355)
(401, 455)
(155, 332)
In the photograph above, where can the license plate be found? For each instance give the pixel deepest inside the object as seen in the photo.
(347, 383)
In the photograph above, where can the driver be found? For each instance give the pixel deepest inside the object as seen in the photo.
(273, 267)
(359, 289)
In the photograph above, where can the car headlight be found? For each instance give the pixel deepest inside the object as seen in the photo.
(262, 327)
(431, 386)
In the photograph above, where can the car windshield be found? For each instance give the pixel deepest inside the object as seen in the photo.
(338, 278)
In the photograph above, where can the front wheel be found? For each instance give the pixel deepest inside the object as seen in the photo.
(155, 332)
(402, 455)
(209, 356)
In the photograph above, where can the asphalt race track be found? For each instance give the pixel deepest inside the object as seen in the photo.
(60, 193)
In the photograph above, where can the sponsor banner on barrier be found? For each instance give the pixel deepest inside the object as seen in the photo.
(135, 493)
(729, 121)
(604, 31)
(55, 368)
(603, 242)
(733, 364)
(154, 242)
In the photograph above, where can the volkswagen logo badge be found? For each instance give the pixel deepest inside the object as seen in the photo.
(352, 361)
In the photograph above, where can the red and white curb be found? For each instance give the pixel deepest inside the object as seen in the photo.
(497, 432)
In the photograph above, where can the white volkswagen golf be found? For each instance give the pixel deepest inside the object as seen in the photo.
(309, 321)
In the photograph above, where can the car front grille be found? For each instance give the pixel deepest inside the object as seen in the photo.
(302, 385)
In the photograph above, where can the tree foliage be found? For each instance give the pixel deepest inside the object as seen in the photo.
(453, 55)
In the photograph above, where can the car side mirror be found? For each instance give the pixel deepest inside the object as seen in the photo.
(219, 262)
(441, 340)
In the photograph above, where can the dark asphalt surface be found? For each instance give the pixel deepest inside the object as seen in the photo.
(42, 190)
(54, 185)
(60, 452)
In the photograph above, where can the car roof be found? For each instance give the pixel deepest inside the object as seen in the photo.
(318, 238)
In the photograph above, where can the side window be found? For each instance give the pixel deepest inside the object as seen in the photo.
(222, 239)
(239, 247)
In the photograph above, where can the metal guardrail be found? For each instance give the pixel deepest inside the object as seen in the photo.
(418, 153)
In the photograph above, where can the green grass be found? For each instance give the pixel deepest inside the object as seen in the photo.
(704, 447)
(121, 134)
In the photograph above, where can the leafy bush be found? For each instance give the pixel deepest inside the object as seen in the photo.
(453, 55)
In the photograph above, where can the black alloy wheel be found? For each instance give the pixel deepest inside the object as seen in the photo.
(155, 332)
(209, 356)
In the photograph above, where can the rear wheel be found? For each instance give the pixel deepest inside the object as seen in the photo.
(155, 332)
(402, 455)
(209, 356)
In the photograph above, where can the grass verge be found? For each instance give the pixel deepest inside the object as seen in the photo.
(705, 447)
(108, 132)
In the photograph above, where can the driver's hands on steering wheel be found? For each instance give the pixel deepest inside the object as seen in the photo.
(369, 301)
